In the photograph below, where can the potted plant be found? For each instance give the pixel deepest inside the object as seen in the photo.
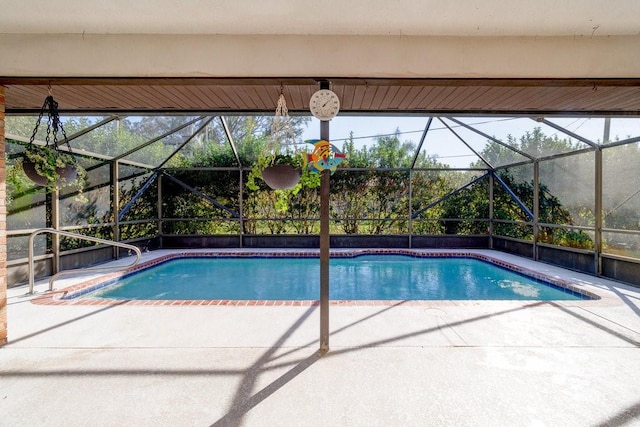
(280, 166)
(50, 168)
(287, 174)
(46, 165)
(279, 172)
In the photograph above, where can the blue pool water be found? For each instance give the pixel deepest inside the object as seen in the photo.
(367, 277)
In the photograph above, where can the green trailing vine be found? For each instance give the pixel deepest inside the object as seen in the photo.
(48, 164)
(265, 161)
(308, 179)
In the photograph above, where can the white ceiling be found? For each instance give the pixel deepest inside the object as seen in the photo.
(580, 18)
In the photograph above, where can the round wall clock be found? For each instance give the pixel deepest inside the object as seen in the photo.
(324, 104)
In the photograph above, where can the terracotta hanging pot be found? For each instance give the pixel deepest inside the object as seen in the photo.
(281, 177)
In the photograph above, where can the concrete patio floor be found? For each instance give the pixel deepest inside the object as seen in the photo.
(471, 363)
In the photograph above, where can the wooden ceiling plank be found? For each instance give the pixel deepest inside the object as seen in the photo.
(107, 98)
(476, 100)
(382, 99)
(227, 96)
(255, 98)
(550, 99)
(429, 100)
(378, 100)
(358, 98)
(22, 97)
(629, 103)
(378, 95)
(414, 94)
(211, 97)
(461, 95)
(399, 98)
(506, 96)
(135, 96)
(610, 98)
(347, 95)
(163, 99)
(568, 99)
(186, 101)
(369, 95)
(70, 99)
(198, 97)
(299, 96)
(269, 97)
(445, 96)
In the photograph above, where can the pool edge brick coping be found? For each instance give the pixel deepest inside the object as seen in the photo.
(70, 295)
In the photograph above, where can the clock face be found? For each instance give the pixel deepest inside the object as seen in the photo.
(324, 104)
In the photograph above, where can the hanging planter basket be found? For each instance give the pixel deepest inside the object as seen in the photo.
(46, 165)
(29, 169)
(68, 173)
(281, 177)
(64, 174)
(280, 166)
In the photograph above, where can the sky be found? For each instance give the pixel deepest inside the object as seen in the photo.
(447, 146)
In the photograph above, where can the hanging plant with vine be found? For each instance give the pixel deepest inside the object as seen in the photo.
(281, 165)
(47, 165)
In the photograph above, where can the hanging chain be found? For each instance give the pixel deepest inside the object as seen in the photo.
(55, 131)
(54, 125)
(35, 129)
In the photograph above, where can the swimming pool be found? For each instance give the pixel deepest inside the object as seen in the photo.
(359, 277)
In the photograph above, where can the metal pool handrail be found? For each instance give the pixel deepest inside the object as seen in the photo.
(77, 236)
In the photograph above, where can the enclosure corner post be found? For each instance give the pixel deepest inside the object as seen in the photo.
(3, 228)
(410, 210)
(491, 200)
(536, 209)
(598, 214)
(241, 207)
(115, 206)
(159, 208)
(599, 220)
